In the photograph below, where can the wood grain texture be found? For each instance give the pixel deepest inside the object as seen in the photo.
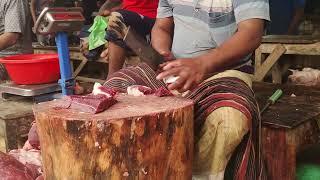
(138, 138)
(280, 147)
(15, 121)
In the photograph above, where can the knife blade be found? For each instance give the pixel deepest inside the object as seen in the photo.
(142, 49)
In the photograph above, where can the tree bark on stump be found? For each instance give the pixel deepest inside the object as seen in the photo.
(137, 138)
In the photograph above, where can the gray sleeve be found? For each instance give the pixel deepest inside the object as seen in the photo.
(249, 9)
(15, 17)
(164, 9)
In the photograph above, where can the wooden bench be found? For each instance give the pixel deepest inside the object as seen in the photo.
(15, 121)
(275, 47)
(289, 126)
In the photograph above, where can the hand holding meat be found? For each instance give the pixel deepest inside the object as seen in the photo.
(191, 72)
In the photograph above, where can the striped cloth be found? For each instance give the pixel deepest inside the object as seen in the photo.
(209, 96)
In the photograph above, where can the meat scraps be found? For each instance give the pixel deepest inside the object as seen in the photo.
(33, 137)
(99, 89)
(138, 90)
(306, 77)
(12, 169)
(162, 92)
(90, 103)
(31, 159)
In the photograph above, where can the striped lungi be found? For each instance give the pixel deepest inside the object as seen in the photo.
(226, 123)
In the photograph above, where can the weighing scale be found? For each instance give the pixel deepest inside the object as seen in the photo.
(58, 21)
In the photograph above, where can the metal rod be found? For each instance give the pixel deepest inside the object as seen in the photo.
(66, 82)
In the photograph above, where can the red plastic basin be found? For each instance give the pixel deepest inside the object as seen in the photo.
(32, 68)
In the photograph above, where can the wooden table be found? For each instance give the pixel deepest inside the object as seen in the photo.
(276, 46)
(289, 126)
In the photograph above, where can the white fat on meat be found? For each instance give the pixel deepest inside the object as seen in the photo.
(307, 77)
(137, 90)
(97, 90)
(27, 157)
(170, 79)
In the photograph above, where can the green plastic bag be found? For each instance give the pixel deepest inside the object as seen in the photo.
(98, 32)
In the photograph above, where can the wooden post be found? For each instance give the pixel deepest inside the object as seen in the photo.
(137, 138)
(269, 62)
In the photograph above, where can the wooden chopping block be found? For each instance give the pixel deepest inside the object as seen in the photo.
(137, 138)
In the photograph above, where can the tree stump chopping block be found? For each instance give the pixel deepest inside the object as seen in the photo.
(138, 138)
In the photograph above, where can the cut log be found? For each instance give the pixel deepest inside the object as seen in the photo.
(138, 138)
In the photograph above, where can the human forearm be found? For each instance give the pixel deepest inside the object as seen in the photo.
(8, 39)
(245, 41)
(162, 35)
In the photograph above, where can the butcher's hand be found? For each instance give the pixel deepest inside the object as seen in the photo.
(191, 72)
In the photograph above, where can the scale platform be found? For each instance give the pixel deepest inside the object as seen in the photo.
(29, 90)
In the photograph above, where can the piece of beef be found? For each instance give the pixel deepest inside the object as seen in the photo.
(31, 159)
(89, 103)
(33, 137)
(12, 169)
(99, 89)
(162, 92)
(138, 90)
(306, 77)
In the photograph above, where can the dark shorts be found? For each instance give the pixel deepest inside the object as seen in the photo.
(120, 20)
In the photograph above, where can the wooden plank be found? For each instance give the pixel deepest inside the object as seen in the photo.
(290, 39)
(276, 74)
(280, 159)
(270, 61)
(258, 58)
(267, 89)
(304, 135)
(80, 67)
(40, 47)
(3, 136)
(86, 79)
(297, 49)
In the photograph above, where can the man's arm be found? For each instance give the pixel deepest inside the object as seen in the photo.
(33, 8)
(8, 39)
(162, 33)
(243, 42)
(192, 71)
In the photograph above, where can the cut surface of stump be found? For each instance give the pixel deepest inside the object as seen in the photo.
(138, 138)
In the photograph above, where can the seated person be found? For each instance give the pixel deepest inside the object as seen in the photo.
(15, 30)
(139, 14)
(286, 16)
(212, 45)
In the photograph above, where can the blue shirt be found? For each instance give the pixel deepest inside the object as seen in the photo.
(281, 13)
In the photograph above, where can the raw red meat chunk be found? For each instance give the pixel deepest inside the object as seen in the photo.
(89, 103)
(12, 169)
